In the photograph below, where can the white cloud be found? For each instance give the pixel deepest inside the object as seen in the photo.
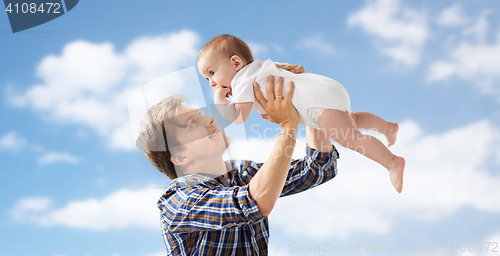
(57, 157)
(273, 250)
(161, 253)
(453, 16)
(316, 43)
(471, 59)
(400, 31)
(122, 209)
(259, 51)
(480, 28)
(444, 172)
(12, 142)
(89, 83)
(259, 149)
(30, 204)
(86, 254)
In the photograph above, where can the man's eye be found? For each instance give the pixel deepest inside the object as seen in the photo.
(193, 122)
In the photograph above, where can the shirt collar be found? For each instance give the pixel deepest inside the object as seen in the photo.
(197, 178)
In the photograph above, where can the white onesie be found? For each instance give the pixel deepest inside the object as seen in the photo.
(313, 93)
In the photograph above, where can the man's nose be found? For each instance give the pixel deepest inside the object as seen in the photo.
(210, 123)
(208, 120)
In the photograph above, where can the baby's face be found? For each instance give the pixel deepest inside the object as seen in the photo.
(218, 70)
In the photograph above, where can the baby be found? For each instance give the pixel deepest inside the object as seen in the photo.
(321, 102)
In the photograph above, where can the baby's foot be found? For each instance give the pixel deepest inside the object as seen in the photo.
(396, 173)
(391, 133)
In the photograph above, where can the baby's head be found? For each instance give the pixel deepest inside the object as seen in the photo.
(222, 58)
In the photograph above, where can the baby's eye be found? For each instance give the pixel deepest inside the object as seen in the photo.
(212, 73)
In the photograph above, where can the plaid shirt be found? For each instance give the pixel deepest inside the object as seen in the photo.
(202, 214)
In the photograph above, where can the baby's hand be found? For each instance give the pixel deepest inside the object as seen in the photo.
(296, 69)
(221, 93)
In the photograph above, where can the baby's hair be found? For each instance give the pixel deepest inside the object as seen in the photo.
(227, 46)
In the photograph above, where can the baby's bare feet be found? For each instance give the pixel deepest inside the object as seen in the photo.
(391, 133)
(396, 173)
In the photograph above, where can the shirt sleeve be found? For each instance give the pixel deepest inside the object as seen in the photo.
(314, 169)
(191, 209)
(243, 91)
(246, 169)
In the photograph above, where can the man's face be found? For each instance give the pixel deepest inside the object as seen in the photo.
(201, 137)
(218, 70)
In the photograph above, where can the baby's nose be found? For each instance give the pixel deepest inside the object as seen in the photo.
(213, 83)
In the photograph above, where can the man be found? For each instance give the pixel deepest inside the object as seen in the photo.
(214, 207)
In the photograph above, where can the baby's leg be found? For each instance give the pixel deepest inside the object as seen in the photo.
(368, 121)
(339, 126)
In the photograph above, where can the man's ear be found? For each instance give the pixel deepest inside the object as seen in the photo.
(179, 159)
(237, 62)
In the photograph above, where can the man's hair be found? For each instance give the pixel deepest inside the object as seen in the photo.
(227, 46)
(159, 124)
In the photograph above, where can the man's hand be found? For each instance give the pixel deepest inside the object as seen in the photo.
(296, 69)
(279, 110)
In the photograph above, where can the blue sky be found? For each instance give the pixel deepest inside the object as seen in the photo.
(73, 184)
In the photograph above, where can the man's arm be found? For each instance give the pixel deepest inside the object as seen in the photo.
(265, 187)
(317, 167)
(311, 171)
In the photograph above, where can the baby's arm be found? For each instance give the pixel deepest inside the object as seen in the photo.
(237, 113)
(245, 109)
